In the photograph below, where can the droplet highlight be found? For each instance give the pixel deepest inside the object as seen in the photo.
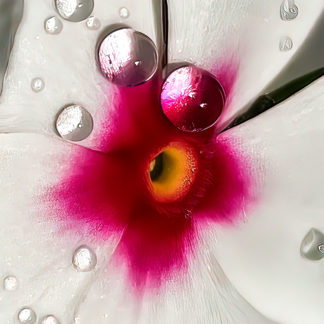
(93, 23)
(285, 44)
(84, 259)
(53, 25)
(192, 99)
(50, 319)
(127, 57)
(288, 10)
(37, 84)
(74, 10)
(312, 245)
(74, 123)
(10, 283)
(123, 12)
(27, 316)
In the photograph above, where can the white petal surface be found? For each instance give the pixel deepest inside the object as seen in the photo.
(238, 40)
(262, 256)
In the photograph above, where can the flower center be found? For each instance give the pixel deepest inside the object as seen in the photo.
(172, 172)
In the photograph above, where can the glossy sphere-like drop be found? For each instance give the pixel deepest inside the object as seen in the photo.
(74, 10)
(192, 99)
(50, 319)
(127, 57)
(10, 283)
(27, 316)
(84, 259)
(310, 247)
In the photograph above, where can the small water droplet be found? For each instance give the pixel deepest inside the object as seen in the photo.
(74, 10)
(312, 245)
(285, 44)
(321, 248)
(127, 57)
(203, 105)
(50, 319)
(37, 84)
(53, 25)
(74, 123)
(10, 283)
(93, 23)
(123, 12)
(192, 94)
(288, 10)
(84, 259)
(27, 316)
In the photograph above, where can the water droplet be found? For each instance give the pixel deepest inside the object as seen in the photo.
(50, 319)
(37, 84)
(74, 10)
(93, 23)
(184, 110)
(74, 123)
(123, 12)
(119, 56)
(203, 105)
(10, 283)
(288, 10)
(27, 316)
(53, 25)
(285, 44)
(321, 248)
(84, 259)
(310, 245)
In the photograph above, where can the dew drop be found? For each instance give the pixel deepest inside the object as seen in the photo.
(124, 12)
(183, 108)
(312, 245)
(50, 319)
(285, 44)
(321, 248)
(74, 123)
(74, 10)
(288, 10)
(127, 57)
(37, 84)
(53, 25)
(93, 23)
(27, 316)
(10, 283)
(84, 259)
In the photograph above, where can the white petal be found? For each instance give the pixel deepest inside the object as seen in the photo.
(238, 41)
(262, 256)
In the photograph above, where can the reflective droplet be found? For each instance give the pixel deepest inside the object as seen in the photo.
(74, 10)
(310, 246)
(93, 23)
(84, 259)
(127, 57)
(74, 123)
(37, 84)
(321, 248)
(53, 25)
(50, 319)
(288, 10)
(27, 316)
(123, 12)
(285, 44)
(184, 109)
(10, 283)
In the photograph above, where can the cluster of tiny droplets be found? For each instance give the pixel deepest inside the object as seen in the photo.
(288, 11)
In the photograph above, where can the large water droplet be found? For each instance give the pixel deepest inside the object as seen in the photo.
(74, 123)
(288, 10)
(93, 23)
(84, 259)
(127, 57)
(310, 245)
(74, 10)
(10, 283)
(50, 319)
(285, 44)
(27, 316)
(53, 25)
(192, 113)
(37, 84)
(123, 13)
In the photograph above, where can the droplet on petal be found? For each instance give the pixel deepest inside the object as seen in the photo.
(310, 246)
(10, 283)
(53, 25)
(285, 44)
(127, 57)
(123, 12)
(74, 123)
(37, 84)
(93, 23)
(27, 316)
(74, 10)
(288, 10)
(192, 99)
(84, 259)
(50, 319)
